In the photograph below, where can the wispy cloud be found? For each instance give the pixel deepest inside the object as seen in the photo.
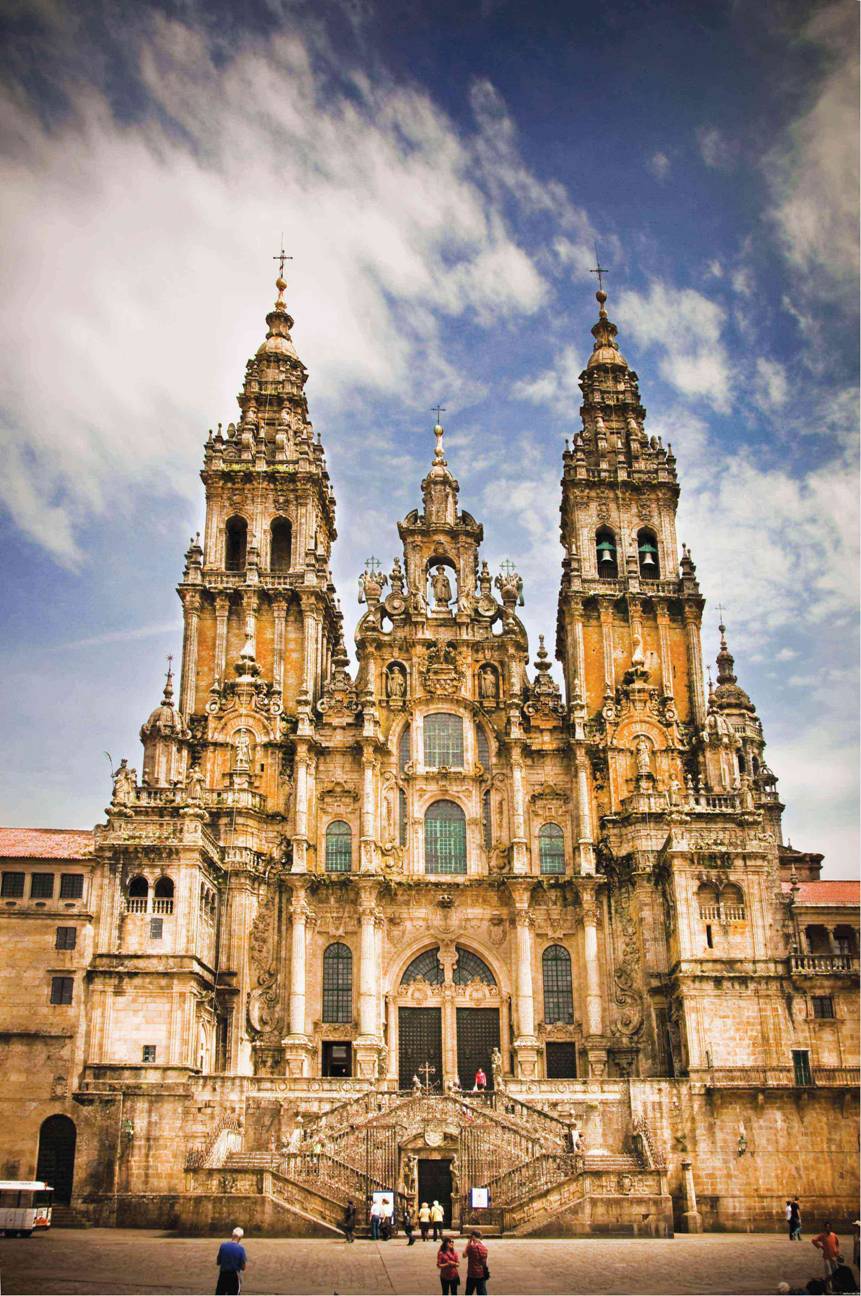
(659, 165)
(120, 636)
(685, 328)
(715, 149)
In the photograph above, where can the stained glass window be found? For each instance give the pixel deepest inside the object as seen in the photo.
(470, 967)
(443, 741)
(338, 983)
(482, 747)
(486, 821)
(551, 849)
(425, 967)
(445, 838)
(404, 748)
(402, 817)
(339, 847)
(558, 994)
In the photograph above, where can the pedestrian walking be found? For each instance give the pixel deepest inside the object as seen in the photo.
(829, 1244)
(408, 1226)
(477, 1272)
(437, 1215)
(350, 1220)
(789, 1217)
(795, 1220)
(447, 1264)
(424, 1220)
(231, 1262)
(376, 1212)
(387, 1218)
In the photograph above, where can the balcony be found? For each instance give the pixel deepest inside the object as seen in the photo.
(162, 906)
(780, 1077)
(823, 964)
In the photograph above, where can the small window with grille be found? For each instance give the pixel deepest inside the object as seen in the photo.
(551, 848)
(823, 1007)
(339, 847)
(445, 838)
(66, 938)
(41, 886)
(61, 989)
(156, 928)
(71, 886)
(338, 983)
(443, 741)
(149, 1052)
(558, 993)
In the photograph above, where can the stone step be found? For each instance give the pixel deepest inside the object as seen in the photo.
(67, 1217)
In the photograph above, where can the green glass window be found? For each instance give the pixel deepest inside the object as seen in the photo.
(558, 993)
(486, 821)
(469, 967)
(338, 983)
(404, 748)
(425, 967)
(402, 817)
(339, 847)
(551, 849)
(443, 741)
(445, 838)
(482, 747)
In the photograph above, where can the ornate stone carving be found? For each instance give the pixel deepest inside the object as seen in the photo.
(442, 672)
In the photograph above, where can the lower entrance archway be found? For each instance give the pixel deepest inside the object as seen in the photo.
(435, 1185)
(55, 1164)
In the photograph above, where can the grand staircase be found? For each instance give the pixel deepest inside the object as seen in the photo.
(519, 1151)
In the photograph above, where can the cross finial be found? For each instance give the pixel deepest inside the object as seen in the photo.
(506, 566)
(599, 270)
(720, 612)
(439, 410)
(169, 663)
(373, 565)
(281, 258)
(427, 1071)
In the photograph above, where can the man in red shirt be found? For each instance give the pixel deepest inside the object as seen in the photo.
(476, 1265)
(829, 1244)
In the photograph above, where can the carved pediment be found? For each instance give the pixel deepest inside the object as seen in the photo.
(337, 796)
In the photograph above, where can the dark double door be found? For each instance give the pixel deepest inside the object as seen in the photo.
(419, 1044)
(435, 1185)
(477, 1037)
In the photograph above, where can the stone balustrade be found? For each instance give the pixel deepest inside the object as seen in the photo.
(822, 964)
(779, 1077)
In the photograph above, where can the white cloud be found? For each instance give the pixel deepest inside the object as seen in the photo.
(714, 270)
(557, 387)
(686, 327)
(715, 150)
(130, 249)
(771, 385)
(659, 165)
(813, 169)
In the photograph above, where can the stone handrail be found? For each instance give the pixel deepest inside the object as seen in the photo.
(534, 1176)
(823, 964)
(204, 1155)
(531, 1121)
(837, 1075)
(330, 1175)
(762, 1077)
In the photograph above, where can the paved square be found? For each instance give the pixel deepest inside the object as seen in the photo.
(132, 1261)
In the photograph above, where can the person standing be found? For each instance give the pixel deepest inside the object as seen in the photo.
(231, 1262)
(447, 1264)
(437, 1215)
(408, 1226)
(479, 1084)
(477, 1272)
(350, 1220)
(375, 1220)
(856, 1242)
(789, 1217)
(795, 1220)
(424, 1220)
(829, 1244)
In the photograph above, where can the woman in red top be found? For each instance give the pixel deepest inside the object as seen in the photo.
(446, 1262)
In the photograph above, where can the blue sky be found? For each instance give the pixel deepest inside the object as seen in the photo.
(441, 174)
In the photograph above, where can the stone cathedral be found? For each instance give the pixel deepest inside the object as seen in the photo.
(439, 929)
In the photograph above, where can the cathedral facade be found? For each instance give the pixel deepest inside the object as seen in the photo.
(440, 928)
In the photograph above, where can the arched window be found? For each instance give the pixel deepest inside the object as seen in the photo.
(139, 887)
(558, 993)
(482, 747)
(647, 552)
(606, 553)
(732, 902)
(402, 817)
(163, 896)
(707, 899)
(281, 540)
(486, 821)
(338, 983)
(235, 543)
(551, 848)
(425, 967)
(443, 736)
(445, 838)
(470, 967)
(339, 847)
(404, 748)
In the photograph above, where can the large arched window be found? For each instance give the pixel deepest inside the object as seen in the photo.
(443, 736)
(647, 552)
(558, 994)
(445, 838)
(338, 983)
(425, 967)
(281, 540)
(163, 896)
(469, 967)
(339, 847)
(235, 543)
(138, 895)
(482, 747)
(606, 553)
(551, 848)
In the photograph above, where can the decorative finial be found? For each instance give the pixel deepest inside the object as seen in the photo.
(168, 683)
(600, 271)
(439, 432)
(280, 283)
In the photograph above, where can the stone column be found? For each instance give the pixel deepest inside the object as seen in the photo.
(369, 809)
(310, 618)
(594, 1026)
(526, 1045)
(279, 615)
(606, 613)
(249, 618)
(519, 858)
(585, 844)
(663, 617)
(693, 1219)
(695, 664)
(297, 1045)
(368, 1041)
(300, 836)
(222, 613)
(191, 607)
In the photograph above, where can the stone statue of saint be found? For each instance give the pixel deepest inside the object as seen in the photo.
(441, 586)
(125, 783)
(396, 682)
(643, 762)
(496, 1067)
(487, 683)
(417, 1085)
(194, 786)
(454, 1169)
(243, 751)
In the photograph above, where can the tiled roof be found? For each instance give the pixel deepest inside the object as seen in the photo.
(45, 843)
(826, 893)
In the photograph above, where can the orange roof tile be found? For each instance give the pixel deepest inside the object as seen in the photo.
(45, 843)
(826, 893)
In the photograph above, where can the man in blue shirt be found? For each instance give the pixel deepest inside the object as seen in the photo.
(231, 1262)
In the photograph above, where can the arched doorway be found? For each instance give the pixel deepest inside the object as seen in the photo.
(56, 1161)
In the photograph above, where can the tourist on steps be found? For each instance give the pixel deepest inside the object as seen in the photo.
(477, 1272)
(424, 1220)
(437, 1215)
(375, 1220)
(447, 1262)
(231, 1262)
(350, 1220)
(479, 1084)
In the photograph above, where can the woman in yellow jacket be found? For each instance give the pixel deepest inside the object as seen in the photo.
(424, 1220)
(437, 1215)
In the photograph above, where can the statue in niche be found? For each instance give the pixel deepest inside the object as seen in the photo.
(441, 586)
(487, 684)
(644, 765)
(125, 783)
(194, 786)
(410, 1176)
(243, 751)
(396, 684)
(496, 1068)
(454, 1170)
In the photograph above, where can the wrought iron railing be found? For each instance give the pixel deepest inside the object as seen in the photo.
(533, 1177)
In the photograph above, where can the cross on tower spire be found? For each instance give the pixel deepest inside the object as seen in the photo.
(281, 258)
(599, 270)
(439, 410)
